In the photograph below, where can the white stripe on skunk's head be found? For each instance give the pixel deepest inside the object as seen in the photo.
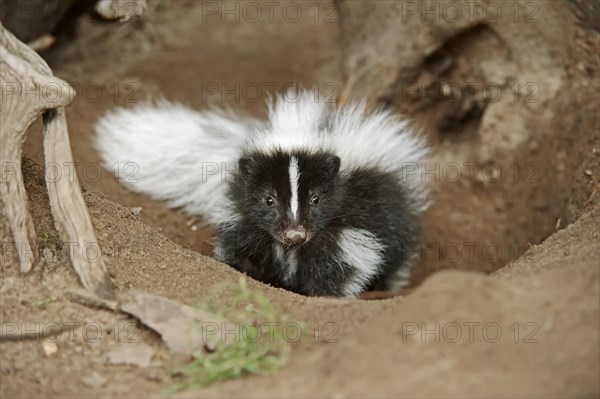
(291, 196)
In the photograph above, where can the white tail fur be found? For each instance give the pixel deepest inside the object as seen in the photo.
(173, 153)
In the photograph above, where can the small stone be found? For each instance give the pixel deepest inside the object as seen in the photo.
(194, 228)
(163, 267)
(588, 172)
(136, 210)
(94, 380)
(155, 376)
(50, 348)
(136, 355)
(533, 145)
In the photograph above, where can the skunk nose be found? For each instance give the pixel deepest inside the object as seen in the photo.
(295, 236)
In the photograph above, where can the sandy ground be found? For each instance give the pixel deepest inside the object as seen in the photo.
(530, 328)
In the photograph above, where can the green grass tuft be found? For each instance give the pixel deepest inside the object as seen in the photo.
(260, 346)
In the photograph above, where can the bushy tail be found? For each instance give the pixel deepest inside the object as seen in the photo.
(173, 153)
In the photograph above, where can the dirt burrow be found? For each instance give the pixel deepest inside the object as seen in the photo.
(552, 291)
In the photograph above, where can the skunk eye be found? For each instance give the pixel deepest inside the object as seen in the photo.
(314, 200)
(269, 201)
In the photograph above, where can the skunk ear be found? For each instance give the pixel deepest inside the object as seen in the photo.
(245, 166)
(333, 163)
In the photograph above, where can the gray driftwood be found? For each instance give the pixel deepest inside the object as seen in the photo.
(28, 89)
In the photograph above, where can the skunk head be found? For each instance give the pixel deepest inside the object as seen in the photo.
(290, 195)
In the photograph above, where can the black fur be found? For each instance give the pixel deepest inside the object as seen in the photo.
(364, 198)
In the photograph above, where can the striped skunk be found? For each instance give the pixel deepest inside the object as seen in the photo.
(317, 200)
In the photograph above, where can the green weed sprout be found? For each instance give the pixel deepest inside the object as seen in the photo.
(260, 345)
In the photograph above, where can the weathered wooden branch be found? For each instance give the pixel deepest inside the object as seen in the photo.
(69, 210)
(28, 89)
